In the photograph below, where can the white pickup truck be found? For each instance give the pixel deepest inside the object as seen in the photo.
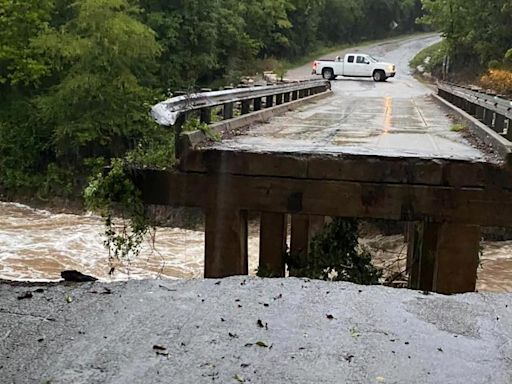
(354, 65)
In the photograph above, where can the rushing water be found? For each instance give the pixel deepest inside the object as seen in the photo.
(36, 245)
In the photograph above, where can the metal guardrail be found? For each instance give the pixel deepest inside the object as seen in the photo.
(173, 111)
(491, 109)
(229, 104)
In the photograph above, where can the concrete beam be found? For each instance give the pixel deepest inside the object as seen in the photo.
(364, 168)
(472, 206)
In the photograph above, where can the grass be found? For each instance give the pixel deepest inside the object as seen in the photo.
(457, 128)
(436, 54)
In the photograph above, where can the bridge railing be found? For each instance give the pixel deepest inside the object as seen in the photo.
(230, 103)
(491, 109)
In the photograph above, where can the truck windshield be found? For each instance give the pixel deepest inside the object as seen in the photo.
(373, 59)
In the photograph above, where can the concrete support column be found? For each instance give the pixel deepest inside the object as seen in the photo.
(443, 257)
(421, 255)
(458, 248)
(303, 230)
(225, 242)
(273, 243)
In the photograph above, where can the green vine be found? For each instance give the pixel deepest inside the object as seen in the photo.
(196, 125)
(113, 195)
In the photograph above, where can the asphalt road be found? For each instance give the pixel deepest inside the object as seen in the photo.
(249, 330)
(393, 118)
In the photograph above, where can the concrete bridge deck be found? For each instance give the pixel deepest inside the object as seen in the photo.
(396, 118)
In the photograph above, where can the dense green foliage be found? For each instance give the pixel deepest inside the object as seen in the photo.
(77, 77)
(335, 255)
(478, 32)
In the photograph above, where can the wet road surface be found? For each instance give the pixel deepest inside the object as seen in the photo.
(393, 118)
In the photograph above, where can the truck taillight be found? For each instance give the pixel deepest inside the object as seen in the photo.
(315, 63)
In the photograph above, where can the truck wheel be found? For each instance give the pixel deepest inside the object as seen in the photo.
(379, 76)
(328, 74)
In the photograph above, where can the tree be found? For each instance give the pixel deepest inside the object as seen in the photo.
(103, 59)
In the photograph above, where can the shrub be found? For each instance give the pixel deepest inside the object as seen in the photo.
(335, 255)
(499, 80)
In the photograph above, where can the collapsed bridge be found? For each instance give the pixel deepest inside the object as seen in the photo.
(382, 157)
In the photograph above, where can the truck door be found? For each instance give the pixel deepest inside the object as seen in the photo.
(350, 66)
(362, 66)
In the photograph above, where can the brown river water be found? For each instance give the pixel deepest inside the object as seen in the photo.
(35, 245)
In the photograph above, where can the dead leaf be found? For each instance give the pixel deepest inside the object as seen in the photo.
(330, 317)
(26, 295)
(261, 344)
(159, 348)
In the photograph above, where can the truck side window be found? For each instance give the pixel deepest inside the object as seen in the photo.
(360, 60)
(350, 59)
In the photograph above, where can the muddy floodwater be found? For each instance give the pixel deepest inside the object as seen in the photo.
(36, 245)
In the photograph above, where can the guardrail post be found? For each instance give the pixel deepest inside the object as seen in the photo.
(488, 117)
(287, 97)
(257, 104)
(206, 115)
(269, 101)
(178, 128)
(499, 123)
(246, 106)
(479, 112)
(227, 111)
(279, 99)
(273, 228)
(509, 130)
(295, 95)
(472, 109)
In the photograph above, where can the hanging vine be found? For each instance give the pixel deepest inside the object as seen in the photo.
(113, 195)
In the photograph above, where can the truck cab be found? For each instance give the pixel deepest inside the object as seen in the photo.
(354, 65)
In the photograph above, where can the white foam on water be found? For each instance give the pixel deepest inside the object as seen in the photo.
(36, 245)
